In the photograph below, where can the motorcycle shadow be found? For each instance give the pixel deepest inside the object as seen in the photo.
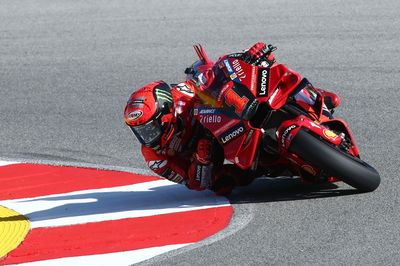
(286, 189)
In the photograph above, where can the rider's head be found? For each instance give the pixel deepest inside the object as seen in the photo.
(148, 114)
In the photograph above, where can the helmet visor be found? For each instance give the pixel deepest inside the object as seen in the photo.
(148, 134)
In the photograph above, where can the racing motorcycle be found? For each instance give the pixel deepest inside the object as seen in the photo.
(289, 130)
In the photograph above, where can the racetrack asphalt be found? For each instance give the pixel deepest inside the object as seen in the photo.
(67, 69)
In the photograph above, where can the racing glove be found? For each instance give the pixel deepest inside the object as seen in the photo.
(259, 53)
(257, 50)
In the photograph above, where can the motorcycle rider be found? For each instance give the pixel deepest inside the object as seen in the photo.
(174, 144)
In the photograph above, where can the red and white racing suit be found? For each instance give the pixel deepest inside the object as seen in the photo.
(186, 157)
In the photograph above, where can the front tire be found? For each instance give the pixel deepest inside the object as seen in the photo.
(335, 162)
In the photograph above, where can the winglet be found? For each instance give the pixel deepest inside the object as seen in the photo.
(202, 55)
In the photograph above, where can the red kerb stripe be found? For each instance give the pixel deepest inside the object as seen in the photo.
(120, 235)
(32, 180)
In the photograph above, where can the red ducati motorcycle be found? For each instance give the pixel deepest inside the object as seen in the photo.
(271, 118)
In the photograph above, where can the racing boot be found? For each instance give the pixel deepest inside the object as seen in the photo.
(229, 177)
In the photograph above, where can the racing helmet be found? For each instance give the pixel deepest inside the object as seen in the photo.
(146, 113)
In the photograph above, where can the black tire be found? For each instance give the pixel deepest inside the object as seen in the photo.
(334, 162)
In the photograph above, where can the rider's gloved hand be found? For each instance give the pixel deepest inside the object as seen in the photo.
(257, 50)
(260, 54)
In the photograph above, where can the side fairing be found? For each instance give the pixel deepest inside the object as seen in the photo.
(238, 139)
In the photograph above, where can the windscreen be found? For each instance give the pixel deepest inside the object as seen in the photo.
(307, 95)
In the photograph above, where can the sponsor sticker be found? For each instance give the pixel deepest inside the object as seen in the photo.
(134, 115)
(208, 111)
(253, 77)
(199, 171)
(236, 55)
(248, 138)
(238, 69)
(314, 124)
(263, 80)
(231, 73)
(273, 95)
(329, 134)
(155, 165)
(286, 134)
(232, 133)
(184, 88)
(210, 119)
(225, 127)
(228, 66)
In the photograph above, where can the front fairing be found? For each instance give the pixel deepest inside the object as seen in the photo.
(268, 84)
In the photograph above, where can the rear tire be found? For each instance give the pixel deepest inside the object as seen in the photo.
(334, 162)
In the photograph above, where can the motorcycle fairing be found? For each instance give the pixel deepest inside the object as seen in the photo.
(289, 128)
(340, 125)
(266, 83)
(231, 133)
(239, 72)
(287, 132)
(282, 81)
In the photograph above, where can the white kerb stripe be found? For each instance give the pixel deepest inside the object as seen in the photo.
(115, 259)
(96, 205)
(4, 163)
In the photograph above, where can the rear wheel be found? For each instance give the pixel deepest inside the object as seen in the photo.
(334, 162)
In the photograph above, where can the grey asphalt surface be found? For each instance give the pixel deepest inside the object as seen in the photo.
(68, 67)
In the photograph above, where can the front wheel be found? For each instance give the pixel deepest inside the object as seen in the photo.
(335, 162)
